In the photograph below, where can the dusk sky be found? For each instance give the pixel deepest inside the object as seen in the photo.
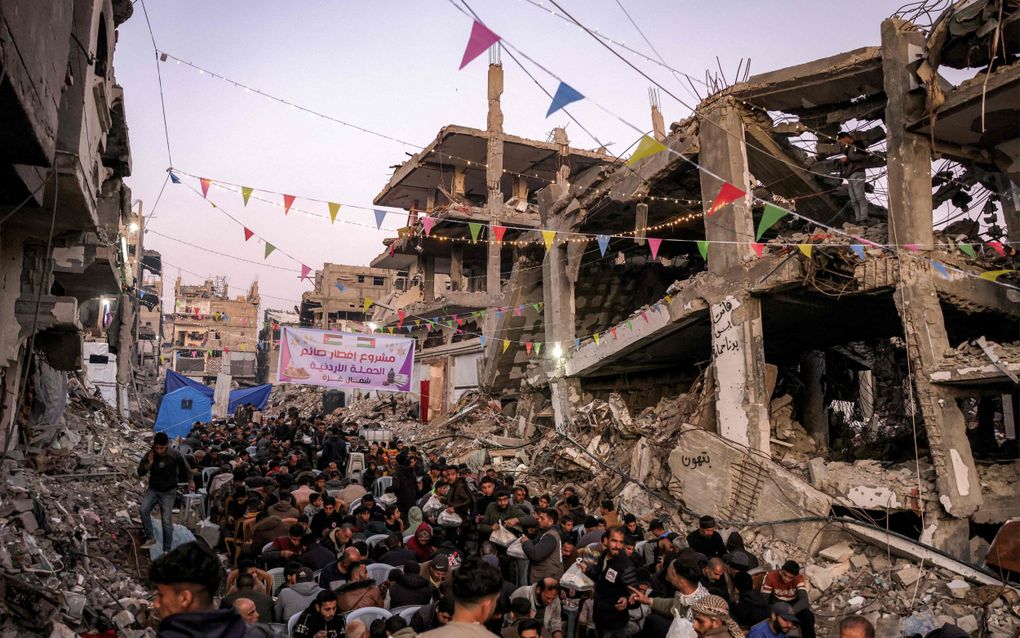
(392, 67)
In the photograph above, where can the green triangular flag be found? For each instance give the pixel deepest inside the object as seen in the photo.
(771, 215)
(537, 307)
(475, 228)
(538, 348)
(646, 148)
(334, 208)
(630, 324)
(269, 250)
(967, 249)
(246, 193)
(703, 248)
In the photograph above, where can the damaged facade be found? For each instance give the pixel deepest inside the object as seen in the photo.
(65, 235)
(338, 300)
(809, 382)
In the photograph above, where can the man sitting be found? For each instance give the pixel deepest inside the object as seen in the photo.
(787, 585)
(360, 591)
(186, 580)
(299, 593)
(321, 616)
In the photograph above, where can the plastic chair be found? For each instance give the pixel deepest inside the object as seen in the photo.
(379, 572)
(406, 612)
(265, 548)
(207, 474)
(355, 463)
(291, 622)
(381, 484)
(408, 535)
(278, 579)
(374, 540)
(192, 503)
(367, 615)
(522, 571)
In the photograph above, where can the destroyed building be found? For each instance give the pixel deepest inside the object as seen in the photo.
(268, 355)
(337, 302)
(65, 208)
(213, 333)
(828, 368)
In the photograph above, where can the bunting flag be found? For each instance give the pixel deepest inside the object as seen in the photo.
(644, 315)
(248, 234)
(334, 208)
(912, 247)
(703, 249)
(577, 343)
(613, 330)
(417, 322)
(390, 329)
(858, 250)
(288, 200)
(538, 348)
(409, 329)
(565, 94)
(998, 247)
(460, 322)
(269, 250)
(603, 241)
(527, 346)
(498, 231)
(993, 275)
(967, 249)
(506, 344)
(519, 311)
(596, 338)
(727, 194)
(305, 271)
(481, 38)
(205, 185)
(549, 236)
(647, 147)
(246, 193)
(757, 247)
(380, 215)
(366, 304)
(340, 287)
(771, 215)
(481, 340)
(806, 249)
(630, 325)
(653, 244)
(537, 306)
(174, 178)
(401, 315)
(475, 228)
(427, 223)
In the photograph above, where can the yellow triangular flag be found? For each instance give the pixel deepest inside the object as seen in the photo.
(367, 304)
(246, 193)
(333, 210)
(806, 249)
(506, 344)
(596, 337)
(993, 275)
(548, 236)
(646, 148)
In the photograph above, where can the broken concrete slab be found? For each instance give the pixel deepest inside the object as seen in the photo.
(838, 553)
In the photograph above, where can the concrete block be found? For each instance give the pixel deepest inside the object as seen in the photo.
(28, 522)
(124, 619)
(908, 575)
(958, 588)
(817, 472)
(881, 563)
(838, 553)
(967, 623)
(821, 577)
(860, 561)
(978, 550)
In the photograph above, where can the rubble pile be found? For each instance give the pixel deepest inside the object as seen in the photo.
(68, 561)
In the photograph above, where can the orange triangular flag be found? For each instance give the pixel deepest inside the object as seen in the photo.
(727, 194)
(205, 185)
(287, 201)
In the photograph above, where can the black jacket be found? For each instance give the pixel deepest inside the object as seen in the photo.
(711, 547)
(410, 589)
(612, 577)
(220, 623)
(166, 471)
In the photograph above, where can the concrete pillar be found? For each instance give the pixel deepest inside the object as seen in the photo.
(866, 394)
(658, 125)
(125, 351)
(816, 422)
(640, 223)
(910, 221)
(741, 396)
(457, 267)
(428, 292)
(493, 179)
(221, 396)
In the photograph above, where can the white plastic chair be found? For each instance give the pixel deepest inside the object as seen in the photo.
(367, 615)
(406, 612)
(381, 484)
(379, 572)
(374, 540)
(291, 622)
(266, 547)
(278, 580)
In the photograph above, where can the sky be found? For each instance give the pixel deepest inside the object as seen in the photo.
(391, 67)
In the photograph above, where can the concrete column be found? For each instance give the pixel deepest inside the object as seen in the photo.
(816, 422)
(493, 179)
(640, 223)
(125, 351)
(428, 292)
(866, 394)
(457, 267)
(738, 357)
(910, 221)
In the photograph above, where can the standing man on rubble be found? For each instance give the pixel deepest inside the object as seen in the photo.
(851, 168)
(166, 468)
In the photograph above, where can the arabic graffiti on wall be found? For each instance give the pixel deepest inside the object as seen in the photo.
(345, 360)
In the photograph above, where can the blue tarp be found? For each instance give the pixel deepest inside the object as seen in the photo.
(185, 401)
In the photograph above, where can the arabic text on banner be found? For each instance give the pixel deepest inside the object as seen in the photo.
(346, 360)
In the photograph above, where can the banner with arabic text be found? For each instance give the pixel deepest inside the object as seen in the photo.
(346, 360)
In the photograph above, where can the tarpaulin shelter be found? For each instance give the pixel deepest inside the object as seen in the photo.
(185, 401)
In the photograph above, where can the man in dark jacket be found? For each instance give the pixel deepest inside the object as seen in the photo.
(186, 580)
(166, 468)
(409, 587)
(705, 539)
(851, 168)
(614, 576)
(544, 556)
(321, 616)
(405, 484)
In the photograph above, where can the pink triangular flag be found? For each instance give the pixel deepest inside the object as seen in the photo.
(205, 185)
(481, 39)
(287, 201)
(757, 247)
(727, 194)
(248, 234)
(998, 247)
(427, 223)
(305, 271)
(653, 243)
(499, 231)
(401, 315)
(644, 315)
(912, 247)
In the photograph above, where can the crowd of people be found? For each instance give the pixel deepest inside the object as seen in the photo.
(326, 534)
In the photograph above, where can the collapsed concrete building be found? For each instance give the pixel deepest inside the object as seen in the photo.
(816, 381)
(337, 302)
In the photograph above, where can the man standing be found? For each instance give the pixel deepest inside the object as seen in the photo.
(544, 598)
(615, 579)
(321, 619)
(476, 589)
(544, 556)
(186, 581)
(852, 170)
(166, 468)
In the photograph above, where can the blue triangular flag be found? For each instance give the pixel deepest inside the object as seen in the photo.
(940, 269)
(175, 179)
(499, 314)
(858, 250)
(565, 94)
(340, 287)
(577, 343)
(481, 340)
(603, 243)
(380, 215)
